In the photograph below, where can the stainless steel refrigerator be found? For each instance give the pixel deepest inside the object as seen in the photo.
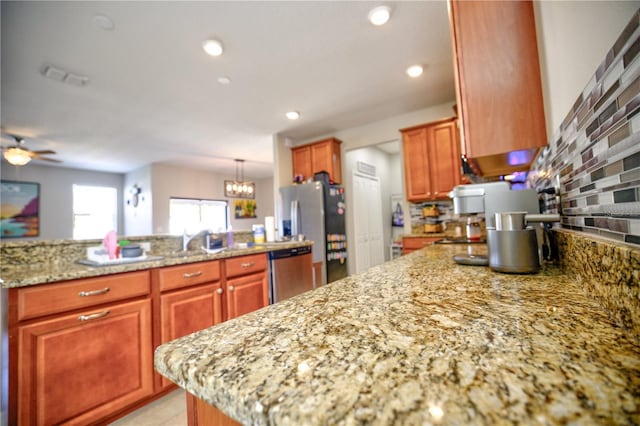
(317, 210)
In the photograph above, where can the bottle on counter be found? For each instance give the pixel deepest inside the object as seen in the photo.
(229, 237)
(258, 234)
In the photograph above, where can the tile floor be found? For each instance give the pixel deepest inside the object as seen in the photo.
(170, 410)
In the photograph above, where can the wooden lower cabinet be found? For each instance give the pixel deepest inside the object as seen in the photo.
(81, 351)
(411, 244)
(199, 413)
(80, 368)
(247, 294)
(186, 311)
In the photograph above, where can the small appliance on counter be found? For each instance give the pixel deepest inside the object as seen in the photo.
(515, 236)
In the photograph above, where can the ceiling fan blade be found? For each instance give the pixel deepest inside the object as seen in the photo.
(38, 157)
(45, 151)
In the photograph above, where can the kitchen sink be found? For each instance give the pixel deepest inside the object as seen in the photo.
(120, 261)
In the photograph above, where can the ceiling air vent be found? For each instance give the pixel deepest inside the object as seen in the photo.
(63, 76)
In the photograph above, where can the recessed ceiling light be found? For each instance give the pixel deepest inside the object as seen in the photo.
(212, 47)
(293, 115)
(379, 15)
(224, 80)
(414, 71)
(104, 22)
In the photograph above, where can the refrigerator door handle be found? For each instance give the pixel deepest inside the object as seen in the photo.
(295, 218)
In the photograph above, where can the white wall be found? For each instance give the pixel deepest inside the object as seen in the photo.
(573, 38)
(382, 163)
(56, 194)
(138, 220)
(173, 181)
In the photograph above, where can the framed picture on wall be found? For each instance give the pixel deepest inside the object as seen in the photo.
(20, 209)
(245, 209)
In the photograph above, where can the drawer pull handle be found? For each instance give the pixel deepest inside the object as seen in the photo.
(93, 316)
(94, 292)
(247, 265)
(192, 274)
(219, 291)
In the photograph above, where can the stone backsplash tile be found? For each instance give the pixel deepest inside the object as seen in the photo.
(593, 159)
(608, 271)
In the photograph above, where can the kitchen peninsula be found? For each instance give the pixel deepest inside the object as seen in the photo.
(72, 326)
(418, 340)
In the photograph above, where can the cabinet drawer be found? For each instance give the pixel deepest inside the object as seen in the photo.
(186, 275)
(60, 297)
(246, 264)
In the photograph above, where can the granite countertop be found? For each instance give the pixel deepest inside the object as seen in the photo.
(13, 276)
(418, 340)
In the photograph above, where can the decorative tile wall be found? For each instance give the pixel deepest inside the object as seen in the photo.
(594, 157)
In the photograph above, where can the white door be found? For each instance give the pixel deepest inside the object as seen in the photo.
(368, 229)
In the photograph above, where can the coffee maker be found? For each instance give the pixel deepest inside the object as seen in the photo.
(515, 232)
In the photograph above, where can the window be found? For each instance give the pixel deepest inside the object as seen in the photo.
(95, 211)
(195, 215)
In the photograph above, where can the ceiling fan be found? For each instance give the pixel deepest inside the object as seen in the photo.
(19, 155)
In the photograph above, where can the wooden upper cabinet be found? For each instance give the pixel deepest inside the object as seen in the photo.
(316, 157)
(444, 149)
(498, 83)
(431, 160)
(417, 178)
(301, 158)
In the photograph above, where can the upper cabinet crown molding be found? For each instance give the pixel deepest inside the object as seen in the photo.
(498, 84)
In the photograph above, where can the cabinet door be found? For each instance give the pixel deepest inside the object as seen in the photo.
(325, 156)
(445, 159)
(80, 368)
(186, 311)
(498, 76)
(416, 158)
(247, 294)
(301, 158)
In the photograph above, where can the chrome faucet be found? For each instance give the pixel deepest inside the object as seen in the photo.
(186, 239)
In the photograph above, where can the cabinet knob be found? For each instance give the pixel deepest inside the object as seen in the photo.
(219, 291)
(231, 288)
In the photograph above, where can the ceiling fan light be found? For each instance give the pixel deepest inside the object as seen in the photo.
(17, 156)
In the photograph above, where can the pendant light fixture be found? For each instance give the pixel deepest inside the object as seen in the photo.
(239, 188)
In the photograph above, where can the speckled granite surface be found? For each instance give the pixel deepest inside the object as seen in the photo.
(418, 340)
(608, 271)
(66, 268)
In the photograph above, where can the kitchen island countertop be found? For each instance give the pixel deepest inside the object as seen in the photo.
(418, 340)
(14, 276)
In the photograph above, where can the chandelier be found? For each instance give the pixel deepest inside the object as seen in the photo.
(17, 156)
(239, 188)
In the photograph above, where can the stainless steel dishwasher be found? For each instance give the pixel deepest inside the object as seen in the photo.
(291, 273)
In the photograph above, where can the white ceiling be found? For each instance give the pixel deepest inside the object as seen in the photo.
(153, 94)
